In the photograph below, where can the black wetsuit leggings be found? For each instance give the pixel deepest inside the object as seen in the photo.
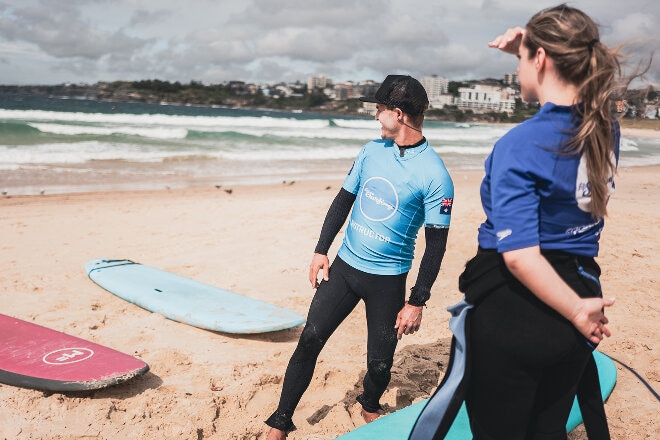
(383, 296)
(527, 360)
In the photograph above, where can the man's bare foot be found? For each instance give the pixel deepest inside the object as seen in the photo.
(369, 416)
(276, 434)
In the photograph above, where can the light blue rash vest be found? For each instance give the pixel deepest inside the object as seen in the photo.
(394, 196)
(534, 196)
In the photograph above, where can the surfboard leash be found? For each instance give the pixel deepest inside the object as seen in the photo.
(641, 379)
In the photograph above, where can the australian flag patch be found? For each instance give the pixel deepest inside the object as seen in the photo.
(445, 205)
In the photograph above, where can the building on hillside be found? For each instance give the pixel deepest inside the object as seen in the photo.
(317, 82)
(350, 90)
(283, 90)
(511, 79)
(621, 106)
(441, 101)
(368, 87)
(481, 99)
(435, 86)
(346, 90)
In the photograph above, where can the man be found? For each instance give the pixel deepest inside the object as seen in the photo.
(396, 184)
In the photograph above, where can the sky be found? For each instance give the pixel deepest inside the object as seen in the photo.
(270, 41)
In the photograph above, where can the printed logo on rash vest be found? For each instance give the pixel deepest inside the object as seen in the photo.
(378, 200)
(582, 187)
(65, 356)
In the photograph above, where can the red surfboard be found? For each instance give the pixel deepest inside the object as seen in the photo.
(32, 356)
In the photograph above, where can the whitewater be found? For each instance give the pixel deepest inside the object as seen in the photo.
(51, 144)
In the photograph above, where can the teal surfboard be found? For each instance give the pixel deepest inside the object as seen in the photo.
(188, 301)
(398, 424)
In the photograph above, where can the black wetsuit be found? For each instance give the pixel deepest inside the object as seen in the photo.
(388, 209)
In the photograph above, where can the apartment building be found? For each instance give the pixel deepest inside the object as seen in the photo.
(317, 82)
(511, 79)
(435, 86)
(481, 98)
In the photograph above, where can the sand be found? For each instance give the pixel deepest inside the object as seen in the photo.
(258, 241)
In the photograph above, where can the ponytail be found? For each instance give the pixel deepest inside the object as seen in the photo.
(571, 39)
(594, 136)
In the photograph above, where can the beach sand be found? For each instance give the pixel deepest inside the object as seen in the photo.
(258, 241)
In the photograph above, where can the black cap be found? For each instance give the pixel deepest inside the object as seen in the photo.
(402, 91)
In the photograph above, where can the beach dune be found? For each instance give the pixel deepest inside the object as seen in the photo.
(258, 241)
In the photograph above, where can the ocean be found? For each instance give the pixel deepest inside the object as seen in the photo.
(58, 145)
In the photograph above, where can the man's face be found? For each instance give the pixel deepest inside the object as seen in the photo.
(389, 122)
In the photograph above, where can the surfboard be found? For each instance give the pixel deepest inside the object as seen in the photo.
(397, 425)
(189, 301)
(33, 356)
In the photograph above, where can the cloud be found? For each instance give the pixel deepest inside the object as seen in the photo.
(346, 14)
(264, 40)
(62, 33)
(143, 16)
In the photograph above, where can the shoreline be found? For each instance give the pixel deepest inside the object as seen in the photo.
(645, 133)
(229, 188)
(52, 164)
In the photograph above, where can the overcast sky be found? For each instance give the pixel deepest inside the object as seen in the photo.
(268, 41)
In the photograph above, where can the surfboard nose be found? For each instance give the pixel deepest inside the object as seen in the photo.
(102, 263)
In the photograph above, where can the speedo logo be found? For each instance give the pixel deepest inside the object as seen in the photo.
(65, 356)
(501, 235)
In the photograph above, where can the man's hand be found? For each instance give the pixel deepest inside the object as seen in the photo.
(319, 262)
(408, 320)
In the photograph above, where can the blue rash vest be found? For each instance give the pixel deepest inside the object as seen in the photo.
(394, 196)
(532, 195)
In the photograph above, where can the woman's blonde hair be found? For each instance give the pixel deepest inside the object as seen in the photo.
(571, 39)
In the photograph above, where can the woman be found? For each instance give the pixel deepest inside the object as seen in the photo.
(533, 307)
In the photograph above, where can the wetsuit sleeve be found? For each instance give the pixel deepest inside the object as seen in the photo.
(436, 244)
(334, 219)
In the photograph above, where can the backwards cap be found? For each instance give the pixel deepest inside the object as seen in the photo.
(402, 91)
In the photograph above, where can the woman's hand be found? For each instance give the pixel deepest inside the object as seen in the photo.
(586, 314)
(590, 319)
(509, 41)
